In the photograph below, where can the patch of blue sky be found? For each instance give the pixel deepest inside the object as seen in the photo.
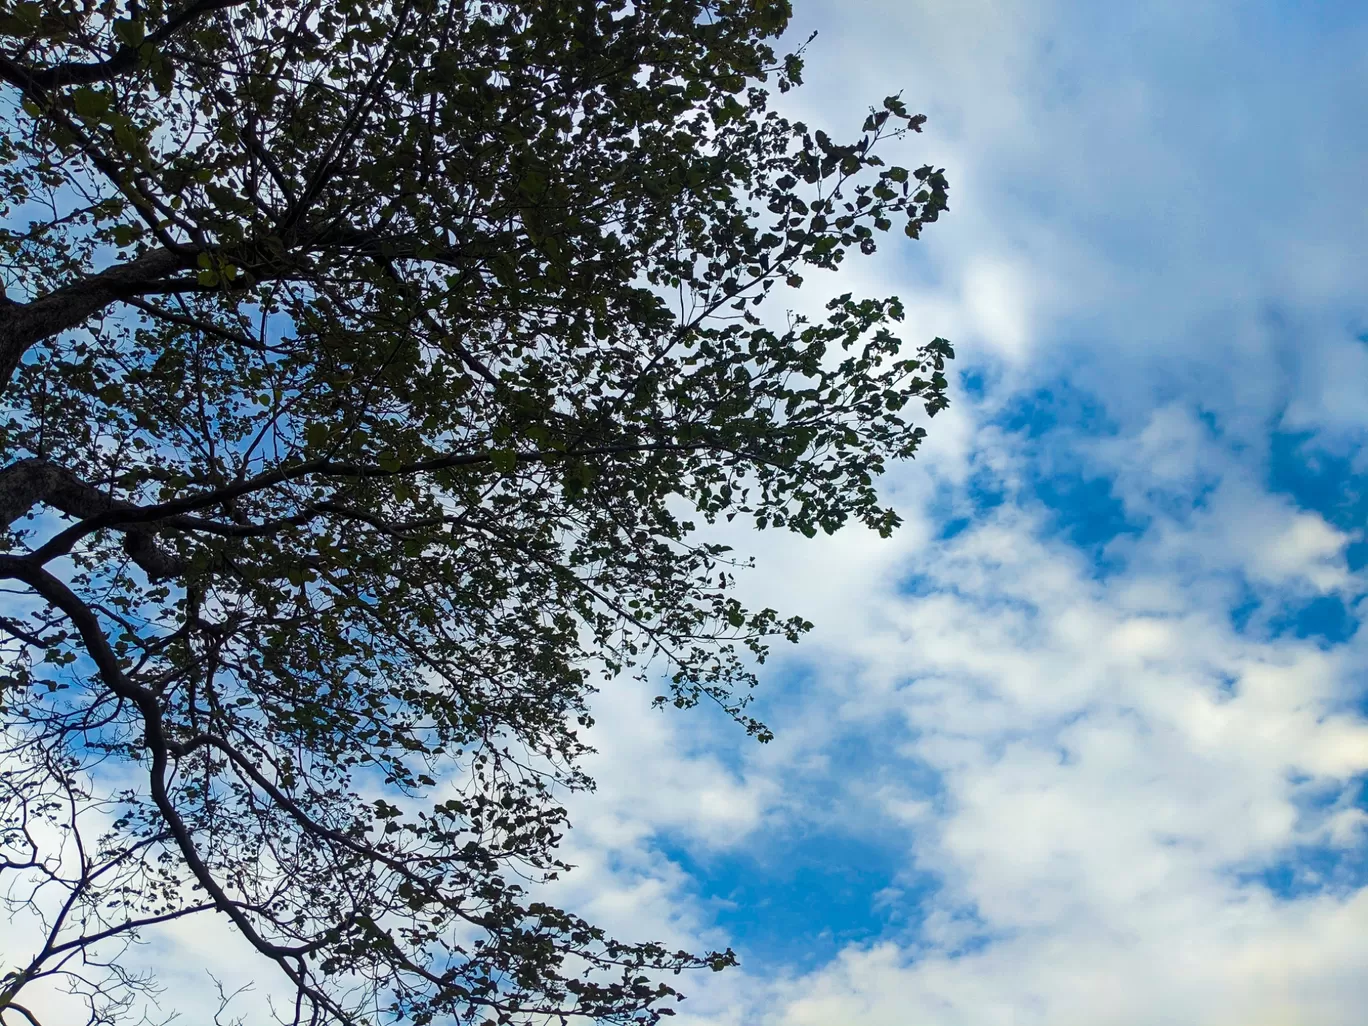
(1310, 869)
(1332, 485)
(1323, 481)
(973, 385)
(1244, 612)
(1309, 25)
(825, 872)
(1050, 427)
(956, 510)
(1087, 512)
(1325, 619)
(1057, 405)
(798, 904)
(1047, 426)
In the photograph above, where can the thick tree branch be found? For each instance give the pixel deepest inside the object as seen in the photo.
(72, 305)
(128, 515)
(15, 1006)
(28, 482)
(125, 59)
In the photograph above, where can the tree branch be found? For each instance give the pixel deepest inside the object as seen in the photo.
(71, 305)
(17, 1007)
(17, 630)
(125, 59)
(127, 515)
(196, 324)
(28, 482)
(158, 745)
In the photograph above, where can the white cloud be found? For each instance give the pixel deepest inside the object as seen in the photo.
(997, 297)
(1110, 778)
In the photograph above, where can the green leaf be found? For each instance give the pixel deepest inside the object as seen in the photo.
(126, 136)
(163, 74)
(129, 31)
(90, 103)
(125, 234)
(29, 15)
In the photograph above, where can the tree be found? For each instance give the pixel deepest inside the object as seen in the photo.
(367, 366)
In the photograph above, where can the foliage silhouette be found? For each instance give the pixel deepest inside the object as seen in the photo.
(367, 368)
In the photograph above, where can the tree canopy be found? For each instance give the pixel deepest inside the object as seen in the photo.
(369, 370)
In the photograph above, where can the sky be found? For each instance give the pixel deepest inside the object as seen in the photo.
(1086, 742)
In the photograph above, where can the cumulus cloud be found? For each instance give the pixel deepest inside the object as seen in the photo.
(1132, 768)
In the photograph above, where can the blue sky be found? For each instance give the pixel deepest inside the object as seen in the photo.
(1085, 743)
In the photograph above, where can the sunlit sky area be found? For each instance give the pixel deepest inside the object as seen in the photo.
(1086, 742)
